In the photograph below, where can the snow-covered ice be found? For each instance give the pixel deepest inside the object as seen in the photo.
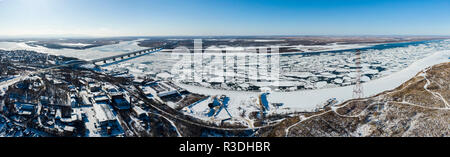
(307, 100)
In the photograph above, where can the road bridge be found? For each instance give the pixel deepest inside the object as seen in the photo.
(117, 58)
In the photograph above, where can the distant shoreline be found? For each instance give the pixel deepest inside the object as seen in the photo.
(288, 44)
(350, 46)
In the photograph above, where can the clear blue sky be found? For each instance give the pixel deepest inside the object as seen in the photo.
(224, 17)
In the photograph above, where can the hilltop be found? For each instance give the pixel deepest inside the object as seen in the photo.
(419, 107)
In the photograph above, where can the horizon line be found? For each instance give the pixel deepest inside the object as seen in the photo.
(274, 35)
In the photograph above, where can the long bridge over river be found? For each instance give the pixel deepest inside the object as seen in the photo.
(118, 58)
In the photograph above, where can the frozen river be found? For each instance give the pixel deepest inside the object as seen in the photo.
(308, 100)
(399, 62)
(389, 65)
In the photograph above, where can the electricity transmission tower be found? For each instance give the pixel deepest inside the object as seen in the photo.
(358, 89)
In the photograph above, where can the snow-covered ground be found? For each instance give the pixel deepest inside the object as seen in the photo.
(91, 122)
(86, 54)
(6, 83)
